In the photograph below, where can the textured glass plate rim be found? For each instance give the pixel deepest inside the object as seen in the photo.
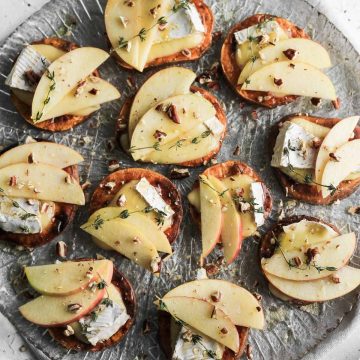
(356, 307)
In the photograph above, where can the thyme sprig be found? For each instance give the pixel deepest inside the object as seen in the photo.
(195, 338)
(124, 214)
(178, 144)
(308, 264)
(15, 204)
(51, 77)
(123, 43)
(308, 179)
(221, 194)
(155, 146)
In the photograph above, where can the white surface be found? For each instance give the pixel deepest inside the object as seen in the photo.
(345, 14)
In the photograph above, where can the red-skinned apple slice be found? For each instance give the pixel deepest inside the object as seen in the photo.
(49, 311)
(333, 253)
(238, 303)
(339, 284)
(197, 313)
(231, 232)
(69, 277)
(211, 217)
(346, 160)
(338, 135)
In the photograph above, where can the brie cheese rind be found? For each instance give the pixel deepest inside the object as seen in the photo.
(20, 216)
(153, 198)
(28, 60)
(187, 349)
(181, 31)
(108, 321)
(294, 146)
(257, 194)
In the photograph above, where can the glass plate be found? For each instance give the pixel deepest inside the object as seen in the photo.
(290, 332)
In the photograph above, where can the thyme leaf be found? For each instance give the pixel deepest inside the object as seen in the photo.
(52, 86)
(221, 194)
(155, 146)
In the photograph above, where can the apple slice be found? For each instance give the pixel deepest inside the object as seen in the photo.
(51, 53)
(160, 86)
(68, 71)
(347, 161)
(173, 46)
(93, 94)
(293, 79)
(192, 109)
(306, 51)
(339, 284)
(135, 202)
(211, 218)
(40, 182)
(198, 314)
(140, 221)
(50, 311)
(68, 277)
(338, 135)
(189, 149)
(310, 127)
(44, 152)
(238, 303)
(333, 253)
(313, 232)
(126, 239)
(231, 232)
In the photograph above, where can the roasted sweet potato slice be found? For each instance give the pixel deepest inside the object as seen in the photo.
(232, 70)
(184, 56)
(307, 192)
(103, 195)
(124, 118)
(128, 296)
(60, 123)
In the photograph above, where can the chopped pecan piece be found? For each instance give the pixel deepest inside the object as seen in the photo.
(278, 82)
(94, 91)
(177, 173)
(61, 249)
(32, 77)
(159, 135)
(315, 101)
(290, 53)
(172, 113)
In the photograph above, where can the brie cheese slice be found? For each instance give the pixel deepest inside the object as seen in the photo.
(294, 146)
(20, 216)
(153, 198)
(29, 59)
(214, 125)
(181, 23)
(192, 346)
(258, 196)
(108, 321)
(269, 30)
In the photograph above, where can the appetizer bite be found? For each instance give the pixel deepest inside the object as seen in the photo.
(230, 201)
(207, 319)
(171, 122)
(317, 159)
(39, 192)
(305, 259)
(55, 85)
(270, 61)
(136, 212)
(145, 34)
(86, 304)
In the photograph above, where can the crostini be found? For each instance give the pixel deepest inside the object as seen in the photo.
(316, 159)
(55, 85)
(171, 122)
(230, 201)
(136, 212)
(207, 319)
(144, 34)
(85, 304)
(270, 61)
(39, 191)
(305, 260)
